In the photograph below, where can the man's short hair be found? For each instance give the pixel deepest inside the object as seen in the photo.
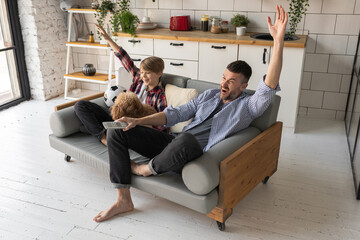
(240, 67)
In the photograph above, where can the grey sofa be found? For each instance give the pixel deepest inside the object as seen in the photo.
(213, 183)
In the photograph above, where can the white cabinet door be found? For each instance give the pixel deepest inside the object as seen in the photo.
(258, 59)
(123, 77)
(181, 67)
(213, 59)
(290, 80)
(143, 46)
(185, 50)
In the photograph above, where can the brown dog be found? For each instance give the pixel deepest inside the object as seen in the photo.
(127, 104)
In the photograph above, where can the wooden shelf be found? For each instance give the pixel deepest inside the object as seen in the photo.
(98, 77)
(200, 36)
(81, 10)
(87, 44)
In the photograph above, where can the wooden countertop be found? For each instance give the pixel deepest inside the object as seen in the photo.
(200, 36)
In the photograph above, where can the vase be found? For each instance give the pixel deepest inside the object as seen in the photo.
(240, 31)
(89, 69)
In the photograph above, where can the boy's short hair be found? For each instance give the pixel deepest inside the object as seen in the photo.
(152, 64)
(240, 67)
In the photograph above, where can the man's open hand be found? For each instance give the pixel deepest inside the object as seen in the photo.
(277, 30)
(132, 122)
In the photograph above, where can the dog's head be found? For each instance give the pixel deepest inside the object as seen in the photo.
(126, 104)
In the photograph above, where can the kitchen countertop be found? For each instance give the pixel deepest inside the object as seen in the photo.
(200, 36)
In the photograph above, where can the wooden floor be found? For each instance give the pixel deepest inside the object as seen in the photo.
(311, 196)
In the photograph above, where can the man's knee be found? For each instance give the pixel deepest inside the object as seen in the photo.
(188, 141)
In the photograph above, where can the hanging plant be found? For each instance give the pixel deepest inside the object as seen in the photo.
(124, 18)
(297, 9)
(101, 12)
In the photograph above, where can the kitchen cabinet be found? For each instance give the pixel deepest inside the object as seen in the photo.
(258, 58)
(204, 56)
(213, 59)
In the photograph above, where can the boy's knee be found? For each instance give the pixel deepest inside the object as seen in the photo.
(80, 105)
(189, 141)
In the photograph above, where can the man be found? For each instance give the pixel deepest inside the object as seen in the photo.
(216, 115)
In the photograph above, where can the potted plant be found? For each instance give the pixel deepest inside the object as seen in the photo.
(124, 18)
(101, 12)
(297, 9)
(240, 22)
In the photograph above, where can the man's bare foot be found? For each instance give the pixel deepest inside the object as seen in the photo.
(140, 169)
(103, 139)
(115, 209)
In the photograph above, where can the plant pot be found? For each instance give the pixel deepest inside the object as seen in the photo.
(89, 69)
(240, 31)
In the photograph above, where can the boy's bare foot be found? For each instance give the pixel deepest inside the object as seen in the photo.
(140, 169)
(115, 209)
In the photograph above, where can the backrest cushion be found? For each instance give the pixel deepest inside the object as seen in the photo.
(201, 86)
(176, 80)
(176, 96)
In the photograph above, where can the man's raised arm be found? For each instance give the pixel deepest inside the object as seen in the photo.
(277, 31)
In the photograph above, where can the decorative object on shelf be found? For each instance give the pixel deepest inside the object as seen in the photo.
(240, 22)
(124, 18)
(91, 37)
(225, 26)
(103, 9)
(204, 23)
(215, 25)
(94, 4)
(89, 69)
(297, 9)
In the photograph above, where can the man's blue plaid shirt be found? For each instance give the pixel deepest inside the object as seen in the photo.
(233, 117)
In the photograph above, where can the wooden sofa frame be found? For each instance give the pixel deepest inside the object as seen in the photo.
(240, 172)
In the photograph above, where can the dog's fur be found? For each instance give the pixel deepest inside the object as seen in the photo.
(127, 104)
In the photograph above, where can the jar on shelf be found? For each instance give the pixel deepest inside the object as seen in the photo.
(225, 26)
(215, 25)
(204, 23)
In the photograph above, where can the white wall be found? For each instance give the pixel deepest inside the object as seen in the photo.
(332, 25)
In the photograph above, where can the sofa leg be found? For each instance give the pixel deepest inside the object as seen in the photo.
(67, 158)
(264, 181)
(221, 225)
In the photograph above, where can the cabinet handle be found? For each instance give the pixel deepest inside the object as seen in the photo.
(177, 64)
(176, 44)
(264, 56)
(136, 59)
(134, 41)
(218, 47)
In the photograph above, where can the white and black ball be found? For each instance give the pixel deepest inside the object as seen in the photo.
(111, 94)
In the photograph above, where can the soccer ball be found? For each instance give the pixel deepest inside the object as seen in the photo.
(111, 94)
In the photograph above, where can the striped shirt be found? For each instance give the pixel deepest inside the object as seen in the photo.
(154, 97)
(233, 117)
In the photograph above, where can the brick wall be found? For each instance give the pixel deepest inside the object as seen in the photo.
(44, 33)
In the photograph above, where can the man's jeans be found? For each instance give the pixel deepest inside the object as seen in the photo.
(167, 152)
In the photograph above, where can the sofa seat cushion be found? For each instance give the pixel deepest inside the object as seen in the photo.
(176, 96)
(89, 150)
(202, 175)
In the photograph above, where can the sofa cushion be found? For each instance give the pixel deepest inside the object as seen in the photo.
(202, 175)
(176, 96)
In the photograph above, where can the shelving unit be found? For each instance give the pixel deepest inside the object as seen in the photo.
(99, 78)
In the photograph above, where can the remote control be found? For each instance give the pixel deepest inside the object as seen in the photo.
(108, 125)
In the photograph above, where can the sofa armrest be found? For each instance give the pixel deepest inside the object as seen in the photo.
(72, 103)
(65, 122)
(202, 175)
(246, 168)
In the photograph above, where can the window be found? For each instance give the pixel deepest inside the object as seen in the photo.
(14, 83)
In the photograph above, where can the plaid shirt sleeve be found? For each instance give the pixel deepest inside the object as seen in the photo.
(129, 65)
(156, 98)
